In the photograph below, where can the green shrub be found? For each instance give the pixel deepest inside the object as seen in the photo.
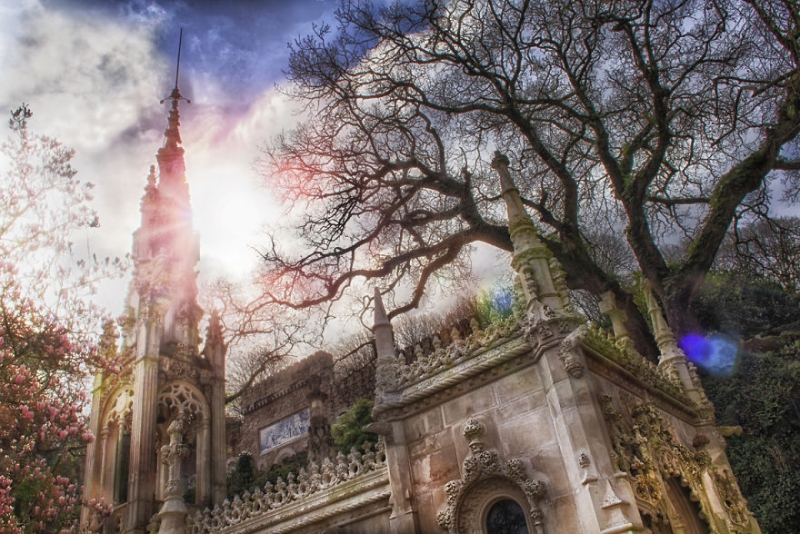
(746, 306)
(348, 430)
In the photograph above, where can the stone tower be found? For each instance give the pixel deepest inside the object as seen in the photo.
(160, 423)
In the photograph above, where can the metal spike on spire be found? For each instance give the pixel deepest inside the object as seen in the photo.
(178, 66)
(175, 95)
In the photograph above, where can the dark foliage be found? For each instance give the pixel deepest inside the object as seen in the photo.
(348, 430)
(745, 306)
(763, 397)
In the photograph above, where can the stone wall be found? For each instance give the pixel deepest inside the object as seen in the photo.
(286, 393)
(517, 426)
(353, 380)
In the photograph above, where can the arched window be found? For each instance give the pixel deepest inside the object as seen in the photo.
(506, 517)
(122, 470)
(177, 397)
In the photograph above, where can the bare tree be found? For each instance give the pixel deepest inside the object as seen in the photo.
(768, 247)
(259, 340)
(656, 118)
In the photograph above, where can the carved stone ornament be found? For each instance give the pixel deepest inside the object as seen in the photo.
(732, 500)
(486, 475)
(584, 461)
(645, 447)
(399, 375)
(121, 409)
(569, 351)
(604, 343)
(178, 397)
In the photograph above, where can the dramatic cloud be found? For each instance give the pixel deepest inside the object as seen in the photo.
(93, 71)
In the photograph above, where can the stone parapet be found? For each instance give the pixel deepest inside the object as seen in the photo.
(312, 496)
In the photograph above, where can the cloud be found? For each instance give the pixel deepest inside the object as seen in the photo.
(91, 77)
(94, 72)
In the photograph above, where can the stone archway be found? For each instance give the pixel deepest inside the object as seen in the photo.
(113, 451)
(486, 480)
(472, 516)
(178, 397)
(684, 509)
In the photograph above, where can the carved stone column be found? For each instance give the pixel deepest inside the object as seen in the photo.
(554, 331)
(215, 352)
(93, 466)
(173, 512)
(672, 359)
(403, 519)
(204, 462)
(105, 485)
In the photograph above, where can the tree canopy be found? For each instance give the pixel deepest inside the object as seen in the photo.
(662, 122)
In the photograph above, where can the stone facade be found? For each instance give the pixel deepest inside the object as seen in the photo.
(305, 386)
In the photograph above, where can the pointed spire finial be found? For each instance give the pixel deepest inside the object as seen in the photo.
(175, 95)
(172, 134)
(380, 312)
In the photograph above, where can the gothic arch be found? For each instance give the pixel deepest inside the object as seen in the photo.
(176, 396)
(119, 407)
(113, 449)
(671, 482)
(181, 397)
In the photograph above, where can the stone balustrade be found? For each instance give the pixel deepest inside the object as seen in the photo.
(446, 356)
(311, 481)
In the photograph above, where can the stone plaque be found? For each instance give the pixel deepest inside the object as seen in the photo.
(283, 431)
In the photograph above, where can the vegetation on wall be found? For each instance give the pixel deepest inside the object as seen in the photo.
(348, 430)
(763, 398)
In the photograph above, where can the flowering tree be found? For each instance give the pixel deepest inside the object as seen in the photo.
(49, 332)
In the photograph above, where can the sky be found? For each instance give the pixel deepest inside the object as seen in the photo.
(94, 71)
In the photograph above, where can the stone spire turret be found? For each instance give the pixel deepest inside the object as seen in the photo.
(384, 348)
(672, 360)
(541, 276)
(161, 420)
(166, 248)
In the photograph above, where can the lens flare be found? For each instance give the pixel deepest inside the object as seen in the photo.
(715, 354)
(502, 300)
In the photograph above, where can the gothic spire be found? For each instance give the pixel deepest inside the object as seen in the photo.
(171, 164)
(541, 275)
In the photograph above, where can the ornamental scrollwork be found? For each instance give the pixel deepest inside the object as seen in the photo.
(645, 447)
(484, 472)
